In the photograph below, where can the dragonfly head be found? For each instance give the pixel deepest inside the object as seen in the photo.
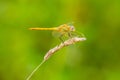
(72, 28)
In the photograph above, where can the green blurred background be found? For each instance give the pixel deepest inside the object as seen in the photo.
(21, 50)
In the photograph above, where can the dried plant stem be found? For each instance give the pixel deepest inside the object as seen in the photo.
(28, 78)
(66, 43)
(55, 49)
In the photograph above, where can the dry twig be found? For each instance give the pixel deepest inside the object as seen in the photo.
(55, 49)
(66, 43)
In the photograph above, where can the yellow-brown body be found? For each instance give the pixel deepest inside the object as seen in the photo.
(61, 28)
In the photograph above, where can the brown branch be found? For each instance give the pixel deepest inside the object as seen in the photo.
(66, 43)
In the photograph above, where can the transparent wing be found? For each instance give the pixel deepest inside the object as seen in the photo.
(75, 34)
(70, 23)
(56, 34)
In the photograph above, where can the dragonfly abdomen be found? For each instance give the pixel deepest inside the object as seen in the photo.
(53, 29)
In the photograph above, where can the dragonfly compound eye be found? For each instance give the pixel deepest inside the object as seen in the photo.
(72, 28)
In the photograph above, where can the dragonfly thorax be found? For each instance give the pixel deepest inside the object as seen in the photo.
(66, 28)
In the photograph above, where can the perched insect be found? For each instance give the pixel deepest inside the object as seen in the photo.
(62, 30)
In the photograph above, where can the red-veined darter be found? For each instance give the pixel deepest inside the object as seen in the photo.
(63, 30)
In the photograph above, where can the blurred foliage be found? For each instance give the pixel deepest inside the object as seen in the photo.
(21, 50)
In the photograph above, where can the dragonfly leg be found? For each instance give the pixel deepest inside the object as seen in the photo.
(70, 35)
(79, 34)
(61, 39)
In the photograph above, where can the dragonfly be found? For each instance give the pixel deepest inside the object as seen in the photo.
(62, 30)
